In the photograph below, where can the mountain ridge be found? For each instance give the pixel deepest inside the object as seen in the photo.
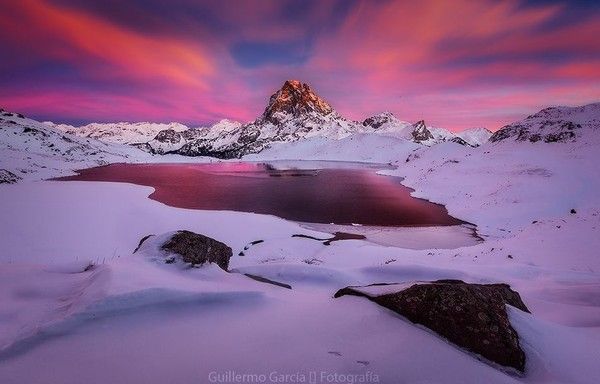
(296, 112)
(293, 112)
(552, 125)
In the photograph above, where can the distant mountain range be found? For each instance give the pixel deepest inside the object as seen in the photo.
(297, 124)
(120, 133)
(29, 147)
(293, 113)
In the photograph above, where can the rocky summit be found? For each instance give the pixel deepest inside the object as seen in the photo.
(295, 99)
(294, 112)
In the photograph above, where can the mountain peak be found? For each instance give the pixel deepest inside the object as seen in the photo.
(295, 98)
(297, 84)
(420, 132)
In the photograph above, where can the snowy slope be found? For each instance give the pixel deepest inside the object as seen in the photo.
(510, 182)
(58, 308)
(29, 149)
(357, 147)
(387, 124)
(475, 136)
(441, 135)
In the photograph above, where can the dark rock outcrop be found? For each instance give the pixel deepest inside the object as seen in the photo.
(420, 132)
(560, 132)
(192, 134)
(295, 99)
(460, 141)
(170, 136)
(7, 177)
(146, 147)
(379, 120)
(472, 316)
(337, 236)
(205, 147)
(198, 249)
(268, 281)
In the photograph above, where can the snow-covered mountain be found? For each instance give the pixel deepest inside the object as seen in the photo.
(554, 124)
(475, 136)
(392, 144)
(295, 112)
(30, 149)
(387, 124)
(169, 140)
(120, 133)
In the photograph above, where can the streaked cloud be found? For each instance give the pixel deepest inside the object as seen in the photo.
(457, 64)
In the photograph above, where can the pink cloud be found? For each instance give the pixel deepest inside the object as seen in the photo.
(396, 52)
(456, 64)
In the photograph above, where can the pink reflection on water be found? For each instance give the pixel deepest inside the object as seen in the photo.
(340, 196)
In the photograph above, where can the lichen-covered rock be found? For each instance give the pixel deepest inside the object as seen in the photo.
(472, 316)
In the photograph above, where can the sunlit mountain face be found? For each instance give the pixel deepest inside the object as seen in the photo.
(457, 64)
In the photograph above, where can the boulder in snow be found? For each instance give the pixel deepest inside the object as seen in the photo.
(197, 249)
(186, 246)
(472, 316)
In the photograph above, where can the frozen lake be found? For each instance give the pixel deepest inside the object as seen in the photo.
(329, 194)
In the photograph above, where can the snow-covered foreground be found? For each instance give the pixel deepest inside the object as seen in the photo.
(132, 320)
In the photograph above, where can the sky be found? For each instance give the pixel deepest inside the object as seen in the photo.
(457, 64)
